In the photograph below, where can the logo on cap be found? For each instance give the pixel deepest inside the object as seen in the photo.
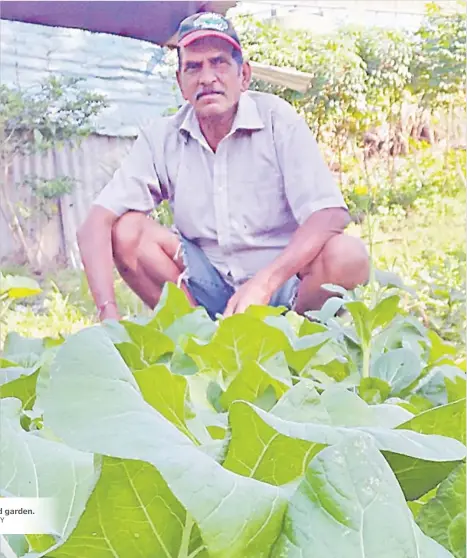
(211, 21)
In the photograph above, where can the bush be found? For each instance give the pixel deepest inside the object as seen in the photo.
(417, 181)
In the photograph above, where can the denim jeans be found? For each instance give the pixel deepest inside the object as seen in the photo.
(210, 289)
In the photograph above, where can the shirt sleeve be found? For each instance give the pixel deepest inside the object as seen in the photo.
(135, 185)
(309, 183)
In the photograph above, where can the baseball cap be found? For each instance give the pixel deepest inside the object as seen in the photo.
(207, 24)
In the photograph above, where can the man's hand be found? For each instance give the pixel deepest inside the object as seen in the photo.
(257, 291)
(110, 312)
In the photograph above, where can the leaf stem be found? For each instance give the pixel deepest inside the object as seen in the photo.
(186, 536)
(197, 551)
(366, 360)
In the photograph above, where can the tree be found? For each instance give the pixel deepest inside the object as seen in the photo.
(438, 69)
(42, 118)
(367, 77)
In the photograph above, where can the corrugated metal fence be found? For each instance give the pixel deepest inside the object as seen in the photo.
(51, 238)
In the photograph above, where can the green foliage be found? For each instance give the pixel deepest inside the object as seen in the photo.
(387, 55)
(46, 192)
(56, 110)
(420, 180)
(37, 120)
(240, 437)
(338, 89)
(426, 247)
(361, 76)
(438, 68)
(443, 517)
(14, 288)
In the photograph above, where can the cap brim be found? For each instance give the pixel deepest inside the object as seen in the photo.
(201, 34)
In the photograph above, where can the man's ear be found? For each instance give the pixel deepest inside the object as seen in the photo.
(246, 76)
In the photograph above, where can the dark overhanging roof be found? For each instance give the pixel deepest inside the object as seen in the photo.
(153, 21)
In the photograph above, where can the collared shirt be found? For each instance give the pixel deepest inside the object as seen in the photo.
(242, 203)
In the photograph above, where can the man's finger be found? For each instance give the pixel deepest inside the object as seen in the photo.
(242, 307)
(229, 309)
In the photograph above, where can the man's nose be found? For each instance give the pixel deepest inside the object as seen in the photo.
(207, 76)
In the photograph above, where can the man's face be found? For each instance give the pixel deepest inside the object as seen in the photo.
(209, 77)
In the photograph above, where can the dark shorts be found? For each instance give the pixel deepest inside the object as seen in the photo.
(210, 289)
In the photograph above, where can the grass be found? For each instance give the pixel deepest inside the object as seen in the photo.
(427, 250)
(64, 307)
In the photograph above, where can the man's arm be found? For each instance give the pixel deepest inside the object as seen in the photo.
(95, 245)
(305, 245)
(134, 187)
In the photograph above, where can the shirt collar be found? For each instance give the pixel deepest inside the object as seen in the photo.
(247, 118)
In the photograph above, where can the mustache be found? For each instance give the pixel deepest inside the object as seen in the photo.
(209, 92)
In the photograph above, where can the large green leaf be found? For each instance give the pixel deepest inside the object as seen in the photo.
(280, 450)
(131, 354)
(195, 324)
(432, 387)
(300, 349)
(152, 344)
(23, 351)
(19, 382)
(308, 327)
(166, 392)
(416, 505)
(173, 304)
(362, 320)
(398, 367)
(261, 311)
(116, 331)
(181, 363)
(405, 332)
(300, 353)
(384, 312)
(328, 310)
(336, 406)
(350, 505)
(302, 404)
(95, 405)
(439, 348)
(260, 451)
(243, 338)
(443, 517)
(418, 478)
(251, 382)
(446, 420)
(374, 390)
(32, 466)
(239, 340)
(455, 388)
(132, 512)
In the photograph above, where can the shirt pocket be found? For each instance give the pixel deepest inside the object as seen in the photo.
(263, 203)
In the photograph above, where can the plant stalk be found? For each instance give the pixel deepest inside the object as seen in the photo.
(366, 361)
(186, 536)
